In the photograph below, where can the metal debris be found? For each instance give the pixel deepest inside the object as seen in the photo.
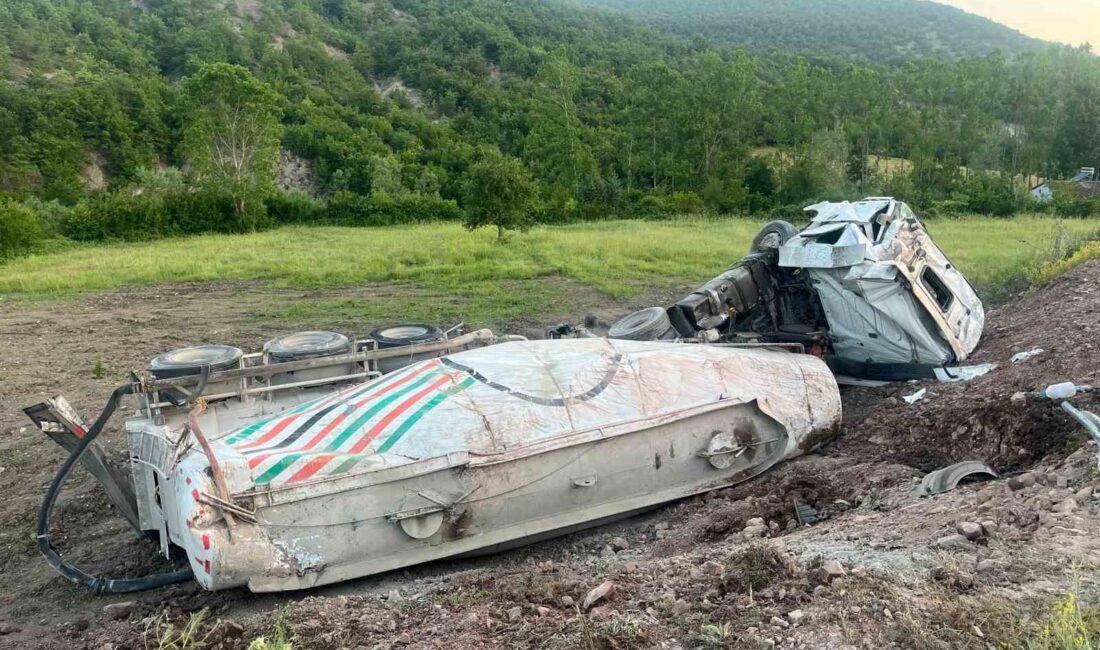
(1027, 354)
(948, 478)
(915, 397)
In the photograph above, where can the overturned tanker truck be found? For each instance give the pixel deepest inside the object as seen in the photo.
(322, 459)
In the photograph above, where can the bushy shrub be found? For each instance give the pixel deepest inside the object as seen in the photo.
(293, 207)
(129, 216)
(348, 209)
(20, 229)
(801, 183)
(683, 202)
(1070, 204)
(988, 194)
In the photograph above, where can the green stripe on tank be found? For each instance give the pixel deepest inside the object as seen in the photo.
(375, 408)
(407, 424)
(253, 428)
(277, 468)
(415, 417)
(287, 461)
(237, 437)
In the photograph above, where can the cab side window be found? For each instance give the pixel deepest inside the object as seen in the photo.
(937, 288)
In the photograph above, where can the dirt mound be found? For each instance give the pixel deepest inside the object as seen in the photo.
(995, 418)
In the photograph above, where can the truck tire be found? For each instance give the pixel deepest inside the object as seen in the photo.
(650, 324)
(395, 336)
(183, 362)
(402, 335)
(773, 235)
(306, 345)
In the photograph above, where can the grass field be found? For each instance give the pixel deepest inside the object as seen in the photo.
(619, 259)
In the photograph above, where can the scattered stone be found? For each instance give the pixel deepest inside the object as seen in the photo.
(833, 569)
(567, 601)
(1019, 396)
(661, 526)
(119, 611)
(969, 529)
(1022, 481)
(607, 552)
(712, 567)
(232, 629)
(989, 527)
(8, 628)
(405, 639)
(619, 544)
(1083, 494)
(543, 610)
(1061, 481)
(515, 613)
(796, 616)
(779, 622)
(953, 542)
(987, 565)
(1065, 506)
(605, 589)
(680, 607)
(887, 613)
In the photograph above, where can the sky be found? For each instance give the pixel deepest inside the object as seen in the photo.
(1066, 21)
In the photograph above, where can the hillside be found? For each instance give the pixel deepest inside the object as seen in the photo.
(867, 30)
(113, 117)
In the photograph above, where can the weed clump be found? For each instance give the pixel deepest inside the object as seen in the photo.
(754, 568)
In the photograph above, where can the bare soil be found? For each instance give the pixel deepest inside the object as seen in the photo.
(880, 568)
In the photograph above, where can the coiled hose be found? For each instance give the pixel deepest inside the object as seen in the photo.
(73, 574)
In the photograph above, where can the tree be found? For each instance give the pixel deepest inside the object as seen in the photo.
(231, 135)
(556, 141)
(499, 192)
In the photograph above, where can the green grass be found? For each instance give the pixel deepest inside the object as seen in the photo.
(446, 272)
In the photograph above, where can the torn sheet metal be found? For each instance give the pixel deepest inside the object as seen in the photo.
(1026, 354)
(948, 478)
(915, 397)
(963, 373)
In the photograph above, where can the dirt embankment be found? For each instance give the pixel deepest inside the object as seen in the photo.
(972, 568)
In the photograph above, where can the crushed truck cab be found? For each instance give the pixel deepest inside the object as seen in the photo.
(862, 284)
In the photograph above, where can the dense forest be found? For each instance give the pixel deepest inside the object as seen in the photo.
(143, 118)
(880, 31)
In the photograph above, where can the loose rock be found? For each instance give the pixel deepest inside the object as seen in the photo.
(1022, 481)
(605, 589)
(833, 569)
(119, 611)
(953, 542)
(969, 529)
(1065, 506)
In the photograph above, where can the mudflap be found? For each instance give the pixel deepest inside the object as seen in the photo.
(57, 419)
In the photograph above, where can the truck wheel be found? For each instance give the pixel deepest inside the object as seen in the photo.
(773, 235)
(183, 362)
(646, 325)
(395, 336)
(306, 345)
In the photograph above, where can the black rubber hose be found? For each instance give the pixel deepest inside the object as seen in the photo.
(94, 584)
